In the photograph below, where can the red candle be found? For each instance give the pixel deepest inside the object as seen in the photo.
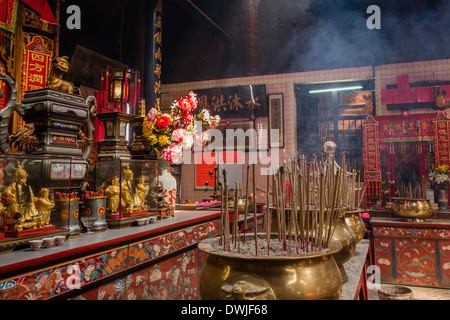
(125, 91)
(106, 86)
(100, 102)
(132, 96)
(139, 89)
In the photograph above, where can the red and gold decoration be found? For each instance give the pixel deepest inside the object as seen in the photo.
(371, 160)
(37, 58)
(4, 89)
(441, 126)
(412, 253)
(8, 14)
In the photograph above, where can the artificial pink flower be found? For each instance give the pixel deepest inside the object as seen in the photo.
(202, 139)
(188, 141)
(152, 115)
(215, 122)
(178, 135)
(172, 154)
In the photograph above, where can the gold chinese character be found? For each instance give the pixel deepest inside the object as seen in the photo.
(158, 22)
(158, 37)
(157, 86)
(234, 102)
(37, 57)
(252, 104)
(203, 101)
(36, 67)
(218, 103)
(158, 54)
(158, 70)
(36, 78)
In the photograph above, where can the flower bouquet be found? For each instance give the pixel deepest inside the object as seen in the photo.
(171, 133)
(440, 176)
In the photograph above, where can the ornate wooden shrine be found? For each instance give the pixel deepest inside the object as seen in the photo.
(403, 149)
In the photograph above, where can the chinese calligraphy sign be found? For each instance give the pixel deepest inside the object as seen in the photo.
(37, 58)
(235, 102)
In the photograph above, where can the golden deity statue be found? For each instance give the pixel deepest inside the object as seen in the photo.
(141, 191)
(20, 201)
(113, 194)
(130, 198)
(44, 206)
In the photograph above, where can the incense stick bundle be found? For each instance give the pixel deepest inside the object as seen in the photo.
(362, 195)
(221, 224)
(246, 200)
(227, 220)
(268, 220)
(235, 213)
(254, 209)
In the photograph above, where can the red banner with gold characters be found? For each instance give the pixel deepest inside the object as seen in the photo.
(441, 126)
(36, 65)
(4, 88)
(371, 159)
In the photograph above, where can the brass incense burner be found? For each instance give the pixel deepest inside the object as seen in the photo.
(356, 223)
(345, 235)
(412, 210)
(237, 276)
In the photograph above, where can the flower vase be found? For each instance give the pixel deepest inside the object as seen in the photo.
(169, 183)
(443, 199)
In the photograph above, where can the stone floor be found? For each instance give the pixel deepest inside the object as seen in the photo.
(420, 293)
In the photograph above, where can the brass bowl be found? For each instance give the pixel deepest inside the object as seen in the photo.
(233, 276)
(356, 223)
(412, 210)
(342, 233)
(345, 235)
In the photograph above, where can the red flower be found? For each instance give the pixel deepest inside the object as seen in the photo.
(187, 116)
(192, 100)
(163, 121)
(184, 104)
(189, 103)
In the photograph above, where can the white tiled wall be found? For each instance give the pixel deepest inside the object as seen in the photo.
(284, 83)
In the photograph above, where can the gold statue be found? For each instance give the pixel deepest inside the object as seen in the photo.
(20, 201)
(44, 206)
(141, 191)
(60, 66)
(113, 194)
(128, 190)
(130, 197)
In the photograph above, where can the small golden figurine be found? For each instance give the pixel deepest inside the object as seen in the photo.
(44, 206)
(113, 194)
(128, 190)
(141, 191)
(20, 201)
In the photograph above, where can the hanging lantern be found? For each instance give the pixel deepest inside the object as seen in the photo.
(122, 90)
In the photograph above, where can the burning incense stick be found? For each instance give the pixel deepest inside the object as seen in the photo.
(246, 200)
(254, 209)
(268, 214)
(235, 214)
